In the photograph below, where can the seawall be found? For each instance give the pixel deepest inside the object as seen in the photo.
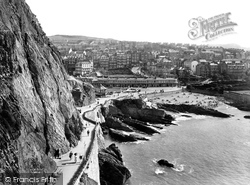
(88, 171)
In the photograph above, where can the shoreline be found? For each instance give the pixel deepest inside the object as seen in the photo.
(187, 98)
(176, 96)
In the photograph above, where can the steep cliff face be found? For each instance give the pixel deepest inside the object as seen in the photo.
(83, 92)
(37, 112)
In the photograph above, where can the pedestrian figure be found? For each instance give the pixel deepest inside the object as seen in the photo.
(88, 132)
(75, 157)
(70, 154)
(80, 157)
(56, 155)
(59, 153)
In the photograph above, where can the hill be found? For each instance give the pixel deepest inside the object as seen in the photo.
(76, 38)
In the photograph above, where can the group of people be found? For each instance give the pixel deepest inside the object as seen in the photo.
(75, 156)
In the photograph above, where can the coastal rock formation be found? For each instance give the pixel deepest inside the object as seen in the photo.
(112, 170)
(124, 137)
(132, 115)
(240, 106)
(247, 116)
(163, 162)
(192, 109)
(116, 123)
(139, 125)
(37, 112)
(137, 109)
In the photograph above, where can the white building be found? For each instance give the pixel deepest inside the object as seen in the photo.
(83, 67)
(193, 66)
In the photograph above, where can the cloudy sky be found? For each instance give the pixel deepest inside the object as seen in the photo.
(140, 20)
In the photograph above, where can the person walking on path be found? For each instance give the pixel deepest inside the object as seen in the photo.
(75, 157)
(70, 155)
(88, 132)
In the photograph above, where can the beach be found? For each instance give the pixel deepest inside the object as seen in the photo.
(189, 98)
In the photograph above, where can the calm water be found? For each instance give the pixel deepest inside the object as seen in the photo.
(206, 151)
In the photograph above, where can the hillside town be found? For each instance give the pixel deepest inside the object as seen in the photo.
(85, 58)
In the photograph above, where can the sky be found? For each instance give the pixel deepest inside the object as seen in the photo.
(140, 20)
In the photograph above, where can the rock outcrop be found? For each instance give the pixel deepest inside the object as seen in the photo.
(37, 112)
(124, 137)
(247, 116)
(133, 115)
(137, 109)
(82, 92)
(116, 123)
(240, 106)
(192, 109)
(164, 162)
(112, 170)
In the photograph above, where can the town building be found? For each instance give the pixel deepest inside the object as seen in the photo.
(214, 69)
(121, 59)
(136, 82)
(69, 63)
(128, 59)
(83, 67)
(235, 69)
(73, 63)
(112, 62)
(144, 56)
(135, 58)
(104, 61)
(203, 69)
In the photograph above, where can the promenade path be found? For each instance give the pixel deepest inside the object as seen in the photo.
(68, 167)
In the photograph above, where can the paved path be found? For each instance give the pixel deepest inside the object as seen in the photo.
(65, 165)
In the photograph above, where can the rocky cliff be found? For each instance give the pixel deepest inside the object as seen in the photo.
(83, 92)
(37, 112)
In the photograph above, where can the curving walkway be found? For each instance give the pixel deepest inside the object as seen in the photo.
(68, 166)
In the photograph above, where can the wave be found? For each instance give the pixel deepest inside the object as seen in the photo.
(179, 168)
(139, 142)
(159, 171)
(174, 162)
(154, 160)
(247, 143)
(182, 118)
(163, 130)
(199, 117)
(191, 170)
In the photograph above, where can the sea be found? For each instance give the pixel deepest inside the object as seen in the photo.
(205, 150)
